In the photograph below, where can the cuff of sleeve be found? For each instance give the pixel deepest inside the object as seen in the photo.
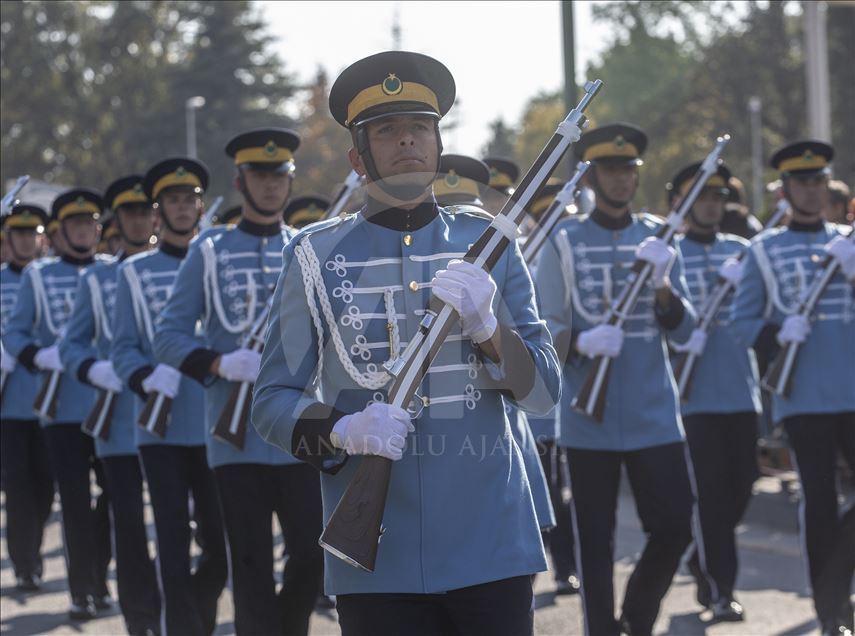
(27, 357)
(516, 372)
(196, 365)
(83, 371)
(136, 380)
(310, 440)
(671, 317)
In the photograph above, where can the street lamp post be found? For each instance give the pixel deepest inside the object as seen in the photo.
(755, 106)
(190, 108)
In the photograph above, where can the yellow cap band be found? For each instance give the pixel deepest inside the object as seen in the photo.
(611, 149)
(53, 226)
(129, 196)
(77, 207)
(185, 178)
(442, 187)
(805, 162)
(271, 153)
(501, 180)
(376, 95)
(306, 214)
(714, 181)
(110, 232)
(23, 221)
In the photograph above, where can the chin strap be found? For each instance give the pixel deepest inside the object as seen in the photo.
(794, 206)
(74, 248)
(162, 214)
(244, 190)
(125, 236)
(595, 185)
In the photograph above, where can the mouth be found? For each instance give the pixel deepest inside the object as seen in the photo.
(408, 159)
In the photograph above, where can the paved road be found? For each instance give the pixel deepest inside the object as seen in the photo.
(772, 585)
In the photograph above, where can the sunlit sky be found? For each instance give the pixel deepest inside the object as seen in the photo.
(500, 53)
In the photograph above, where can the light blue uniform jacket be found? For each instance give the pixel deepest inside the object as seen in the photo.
(460, 510)
(22, 384)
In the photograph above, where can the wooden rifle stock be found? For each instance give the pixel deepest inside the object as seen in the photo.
(100, 419)
(45, 404)
(156, 414)
(354, 529)
(591, 399)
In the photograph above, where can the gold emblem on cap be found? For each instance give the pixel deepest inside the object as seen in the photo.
(270, 148)
(392, 85)
(138, 188)
(180, 171)
(80, 201)
(808, 155)
(494, 173)
(451, 179)
(620, 142)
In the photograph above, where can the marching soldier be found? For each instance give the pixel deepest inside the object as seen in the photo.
(819, 413)
(503, 176)
(173, 458)
(227, 279)
(28, 482)
(304, 210)
(45, 301)
(720, 414)
(587, 261)
(84, 351)
(111, 240)
(361, 283)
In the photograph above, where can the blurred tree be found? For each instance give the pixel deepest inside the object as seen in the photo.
(501, 143)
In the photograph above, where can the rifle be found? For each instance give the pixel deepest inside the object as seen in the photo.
(97, 424)
(208, 219)
(155, 414)
(45, 404)
(779, 375)
(8, 200)
(231, 426)
(591, 399)
(552, 214)
(351, 184)
(686, 363)
(354, 529)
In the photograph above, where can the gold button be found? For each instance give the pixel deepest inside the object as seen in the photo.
(815, 258)
(414, 286)
(408, 239)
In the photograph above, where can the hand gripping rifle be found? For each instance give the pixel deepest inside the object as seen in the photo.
(97, 424)
(686, 363)
(8, 201)
(351, 184)
(231, 427)
(779, 375)
(155, 414)
(550, 217)
(354, 529)
(45, 404)
(591, 399)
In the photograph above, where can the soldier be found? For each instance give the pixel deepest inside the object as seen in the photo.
(819, 414)
(503, 176)
(84, 352)
(111, 240)
(227, 279)
(45, 301)
(304, 210)
(737, 217)
(174, 459)
(28, 482)
(720, 414)
(442, 566)
(584, 266)
(460, 181)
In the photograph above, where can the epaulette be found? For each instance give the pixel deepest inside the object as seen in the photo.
(320, 226)
(467, 208)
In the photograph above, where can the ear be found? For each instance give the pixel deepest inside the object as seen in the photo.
(356, 162)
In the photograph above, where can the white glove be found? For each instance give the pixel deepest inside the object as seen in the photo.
(571, 132)
(241, 365)
(602, 340)
(470, 290)
(731, 270)
(164, 379)
(795, 329)
(7, 361)
(379, 429)
(47, 359)
(660, 255)
(696, 342)
(102, 375)
(843, 251)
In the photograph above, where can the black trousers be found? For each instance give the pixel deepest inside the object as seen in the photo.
(660, 484)
(86, 529)
(28, 483)
(139, 598)
(560, 538)
(250, 494)
(498, 608)
(816, 441)
(723, 449)
(189, 598)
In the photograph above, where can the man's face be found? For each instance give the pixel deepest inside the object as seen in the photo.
(618, 181)
(81, 231)
(404, 149)
(137, 221)
(267, 188)
(182, 207)
(808, 194)
(22, 244)
(708, 209)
